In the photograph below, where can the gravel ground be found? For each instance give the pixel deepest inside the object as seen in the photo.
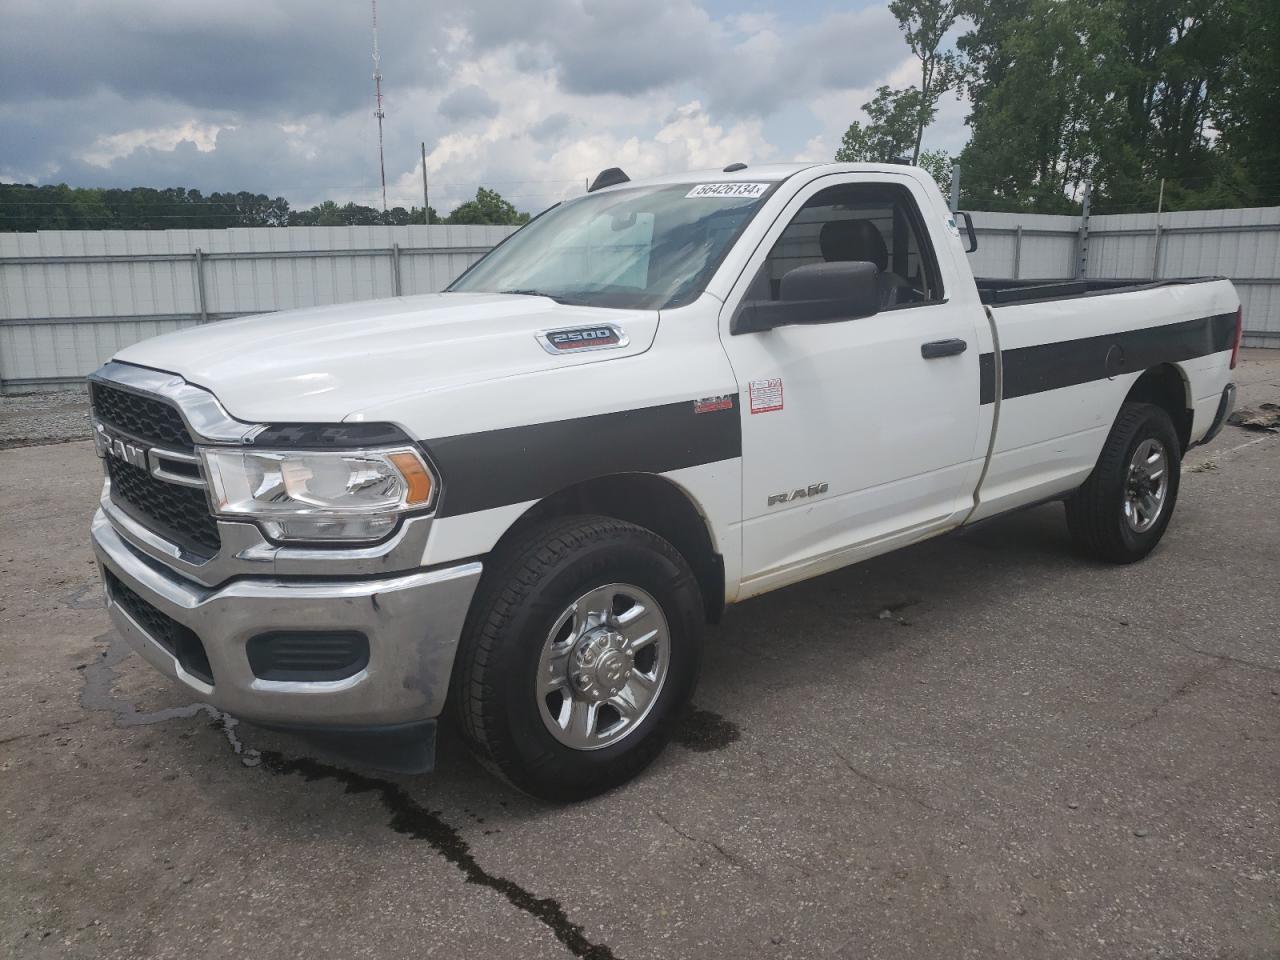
(31, 418)
(1029, 756)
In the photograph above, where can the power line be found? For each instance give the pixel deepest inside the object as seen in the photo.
(233, 194)
(196, 207)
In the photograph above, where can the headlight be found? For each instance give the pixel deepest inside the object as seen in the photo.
(318, 495)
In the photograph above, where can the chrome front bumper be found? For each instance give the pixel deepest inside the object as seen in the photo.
(412, 620)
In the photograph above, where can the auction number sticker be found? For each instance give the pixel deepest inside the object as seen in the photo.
(766, 395)
(729, 190)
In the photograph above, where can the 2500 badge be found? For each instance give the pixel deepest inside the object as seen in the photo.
(577, 339)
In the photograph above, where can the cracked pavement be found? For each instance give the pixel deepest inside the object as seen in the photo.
(1031, 756)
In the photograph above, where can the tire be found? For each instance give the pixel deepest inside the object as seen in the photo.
(1101, 515)
(533, 738)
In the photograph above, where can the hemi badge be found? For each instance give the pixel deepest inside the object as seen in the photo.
(603, 336)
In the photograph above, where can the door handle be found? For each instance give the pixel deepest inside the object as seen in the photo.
(942, 348)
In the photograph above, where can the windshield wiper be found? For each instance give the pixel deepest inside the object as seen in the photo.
(533, 293)
(558, 298)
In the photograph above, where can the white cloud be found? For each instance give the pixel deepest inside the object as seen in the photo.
(114, 146)
(697, 141)
(948, 131)
(506, 153)
(531, 98)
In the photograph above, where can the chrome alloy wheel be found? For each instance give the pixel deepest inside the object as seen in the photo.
(602, 666)
(1146, 485)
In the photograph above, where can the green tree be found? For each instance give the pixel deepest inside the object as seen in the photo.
(327, 214)
(1124, 92)
(1245, 110)
(59, 207)
(890, 130)
(1172, 55)
(399, 216)
(27, 207)
(938, 163)
(925, 23)
(487, 207)
(1041, 78)
(331, 214)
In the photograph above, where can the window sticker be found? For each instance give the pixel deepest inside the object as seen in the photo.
(766, 395)
(729, 190)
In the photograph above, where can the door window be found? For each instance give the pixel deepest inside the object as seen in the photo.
(876, 223)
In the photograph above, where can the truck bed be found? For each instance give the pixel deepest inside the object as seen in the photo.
(996, 292)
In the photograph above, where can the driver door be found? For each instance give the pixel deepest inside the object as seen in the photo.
(853, 441)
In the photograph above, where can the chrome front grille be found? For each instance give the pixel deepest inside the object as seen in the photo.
(155, 476)
(143, 418)
(177, 512)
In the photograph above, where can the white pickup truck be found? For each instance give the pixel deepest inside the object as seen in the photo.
(522, 498)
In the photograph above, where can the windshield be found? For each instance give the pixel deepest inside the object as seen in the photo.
(646, 248)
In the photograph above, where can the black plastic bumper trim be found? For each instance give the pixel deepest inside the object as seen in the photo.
(1225, 406)
(307, 656)
(397, 748)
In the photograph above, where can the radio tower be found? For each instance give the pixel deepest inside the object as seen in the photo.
(377, 99)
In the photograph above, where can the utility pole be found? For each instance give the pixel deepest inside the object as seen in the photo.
(426, 207)
(955, 187)
(377, 100)
(1155, 247)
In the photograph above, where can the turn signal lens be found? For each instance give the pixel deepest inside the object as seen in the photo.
(416, 477)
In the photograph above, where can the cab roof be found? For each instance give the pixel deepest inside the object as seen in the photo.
(758, 173)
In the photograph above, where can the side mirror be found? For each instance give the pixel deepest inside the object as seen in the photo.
(815, 293)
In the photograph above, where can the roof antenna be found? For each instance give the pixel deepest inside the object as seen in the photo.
(608, 178)
(735, 167)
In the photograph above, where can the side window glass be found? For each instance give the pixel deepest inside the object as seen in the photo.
(872, 223)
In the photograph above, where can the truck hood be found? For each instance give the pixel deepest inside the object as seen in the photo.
(327, 364)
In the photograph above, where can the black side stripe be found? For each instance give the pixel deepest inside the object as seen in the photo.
(499, 467)
(1050, 366)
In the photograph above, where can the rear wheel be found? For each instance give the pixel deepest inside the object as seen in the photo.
(579, 657)
(1122, 510)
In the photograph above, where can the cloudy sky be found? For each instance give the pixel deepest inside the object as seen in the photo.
(526, 96)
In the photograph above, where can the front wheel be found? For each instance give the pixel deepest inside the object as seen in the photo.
(579, 657)
(1123, 509)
